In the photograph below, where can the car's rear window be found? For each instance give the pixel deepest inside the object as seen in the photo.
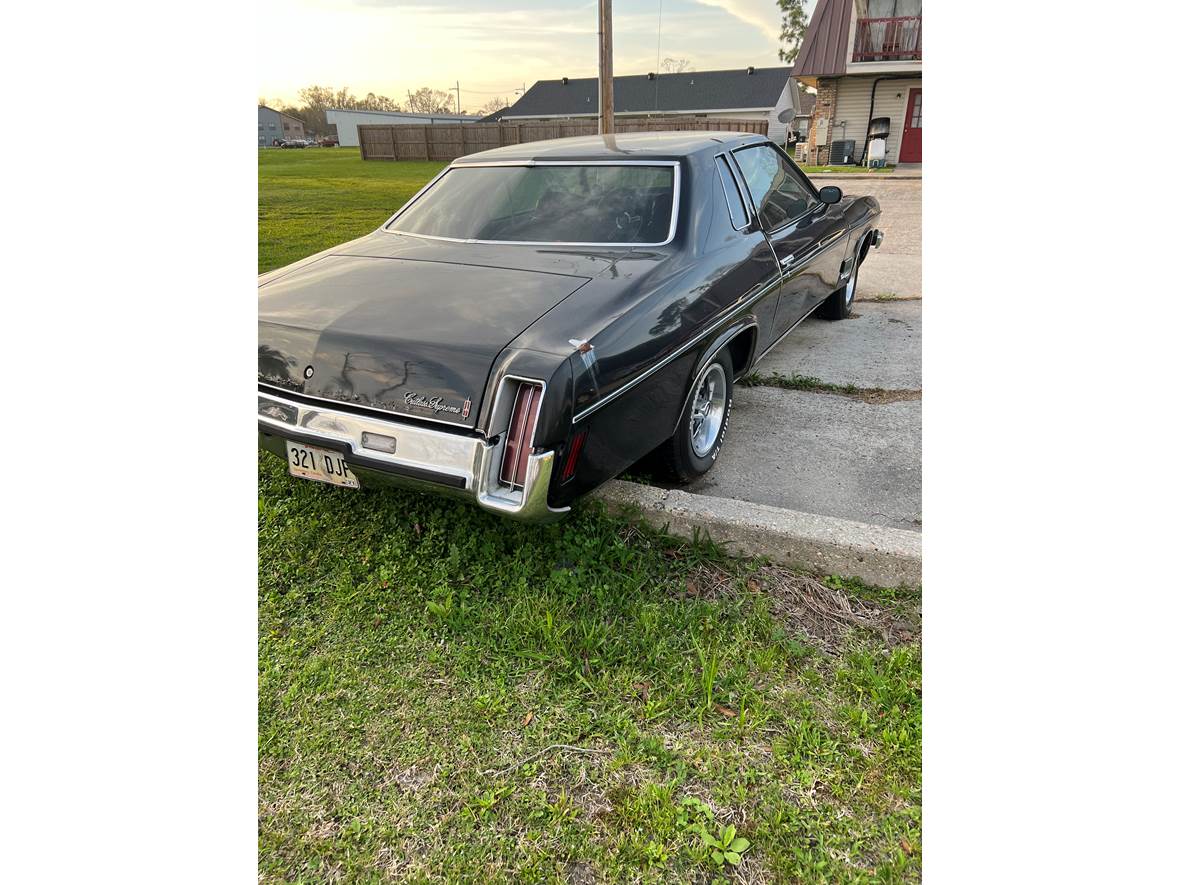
(626, 204)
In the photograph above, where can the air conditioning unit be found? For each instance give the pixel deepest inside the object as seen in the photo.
(843, 153)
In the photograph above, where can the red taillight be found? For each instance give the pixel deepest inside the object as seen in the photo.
(520, 434)
(571, 457)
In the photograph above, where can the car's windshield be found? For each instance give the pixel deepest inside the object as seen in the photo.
(627, 204)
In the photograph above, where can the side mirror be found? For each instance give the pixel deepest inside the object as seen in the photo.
(831, 194)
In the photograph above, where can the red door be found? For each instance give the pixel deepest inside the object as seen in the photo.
(911, 135)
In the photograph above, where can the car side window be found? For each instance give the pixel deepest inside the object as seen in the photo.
(779, 196)
(737, 208)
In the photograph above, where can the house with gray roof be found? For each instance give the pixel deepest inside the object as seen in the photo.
(744, 93)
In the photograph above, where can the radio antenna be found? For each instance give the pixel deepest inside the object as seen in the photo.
(659, 31)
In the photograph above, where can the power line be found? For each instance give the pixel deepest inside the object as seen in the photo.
(492, 92)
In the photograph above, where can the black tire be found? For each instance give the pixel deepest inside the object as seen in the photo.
(677, 456)
(838, 305)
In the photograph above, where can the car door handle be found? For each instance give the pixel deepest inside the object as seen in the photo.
(787, 261)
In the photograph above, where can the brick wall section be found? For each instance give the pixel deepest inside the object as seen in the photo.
(825, 108)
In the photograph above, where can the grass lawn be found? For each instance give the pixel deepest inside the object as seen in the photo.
(447, 695)
(313, 198)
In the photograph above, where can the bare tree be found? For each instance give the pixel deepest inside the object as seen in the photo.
(675, 65)
(315, 101)
(428, 101)
(492, 105)
(373, 102)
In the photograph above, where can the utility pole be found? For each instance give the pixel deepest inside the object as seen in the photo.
(606, 70)
(458, 110)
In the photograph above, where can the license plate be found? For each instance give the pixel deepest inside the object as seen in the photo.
(322, 465)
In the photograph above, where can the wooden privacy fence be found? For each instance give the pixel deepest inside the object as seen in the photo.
(446, 141)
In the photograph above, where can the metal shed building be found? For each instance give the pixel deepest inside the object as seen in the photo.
(347, 121)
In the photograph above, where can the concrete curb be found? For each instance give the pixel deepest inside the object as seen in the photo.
(880, 555)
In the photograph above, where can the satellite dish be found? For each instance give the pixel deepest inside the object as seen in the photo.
(786, 116)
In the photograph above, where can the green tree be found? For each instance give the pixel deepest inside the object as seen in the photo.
(795, 20)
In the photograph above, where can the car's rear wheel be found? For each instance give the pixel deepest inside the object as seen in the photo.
(697, 440)
(839, 303)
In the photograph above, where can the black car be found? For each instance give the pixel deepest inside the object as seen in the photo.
(540, 316)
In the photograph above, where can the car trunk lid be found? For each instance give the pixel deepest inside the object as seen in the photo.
(415, 338)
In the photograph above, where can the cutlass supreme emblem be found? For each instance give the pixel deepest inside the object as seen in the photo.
(437, 404)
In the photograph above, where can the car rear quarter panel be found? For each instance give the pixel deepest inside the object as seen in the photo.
(650, 311)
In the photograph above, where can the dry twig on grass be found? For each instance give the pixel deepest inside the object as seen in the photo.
(827, 613)
(538, 755)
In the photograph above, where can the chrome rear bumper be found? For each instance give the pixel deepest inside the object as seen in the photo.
(423, 459)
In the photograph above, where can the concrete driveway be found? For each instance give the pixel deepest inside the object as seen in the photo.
(896, 268)
(829, 480)
(857, 456)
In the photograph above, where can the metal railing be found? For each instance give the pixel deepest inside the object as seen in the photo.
(888, 39)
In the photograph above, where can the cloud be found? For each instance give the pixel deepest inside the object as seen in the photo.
(762, 14)
(389, 47)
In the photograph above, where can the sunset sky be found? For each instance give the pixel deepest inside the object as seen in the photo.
(494, 46)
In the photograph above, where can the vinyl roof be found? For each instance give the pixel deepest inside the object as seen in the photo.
(668, 93)
(623, 146)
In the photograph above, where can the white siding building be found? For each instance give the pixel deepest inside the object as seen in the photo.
(864, 59)
(347, 121)
(851, 116)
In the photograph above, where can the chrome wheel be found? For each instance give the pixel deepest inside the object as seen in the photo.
(850, 286)
(708, 410)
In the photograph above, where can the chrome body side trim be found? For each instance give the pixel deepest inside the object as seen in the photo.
(675, 164)
(737, 309)
(423, 458)
(790, 263)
